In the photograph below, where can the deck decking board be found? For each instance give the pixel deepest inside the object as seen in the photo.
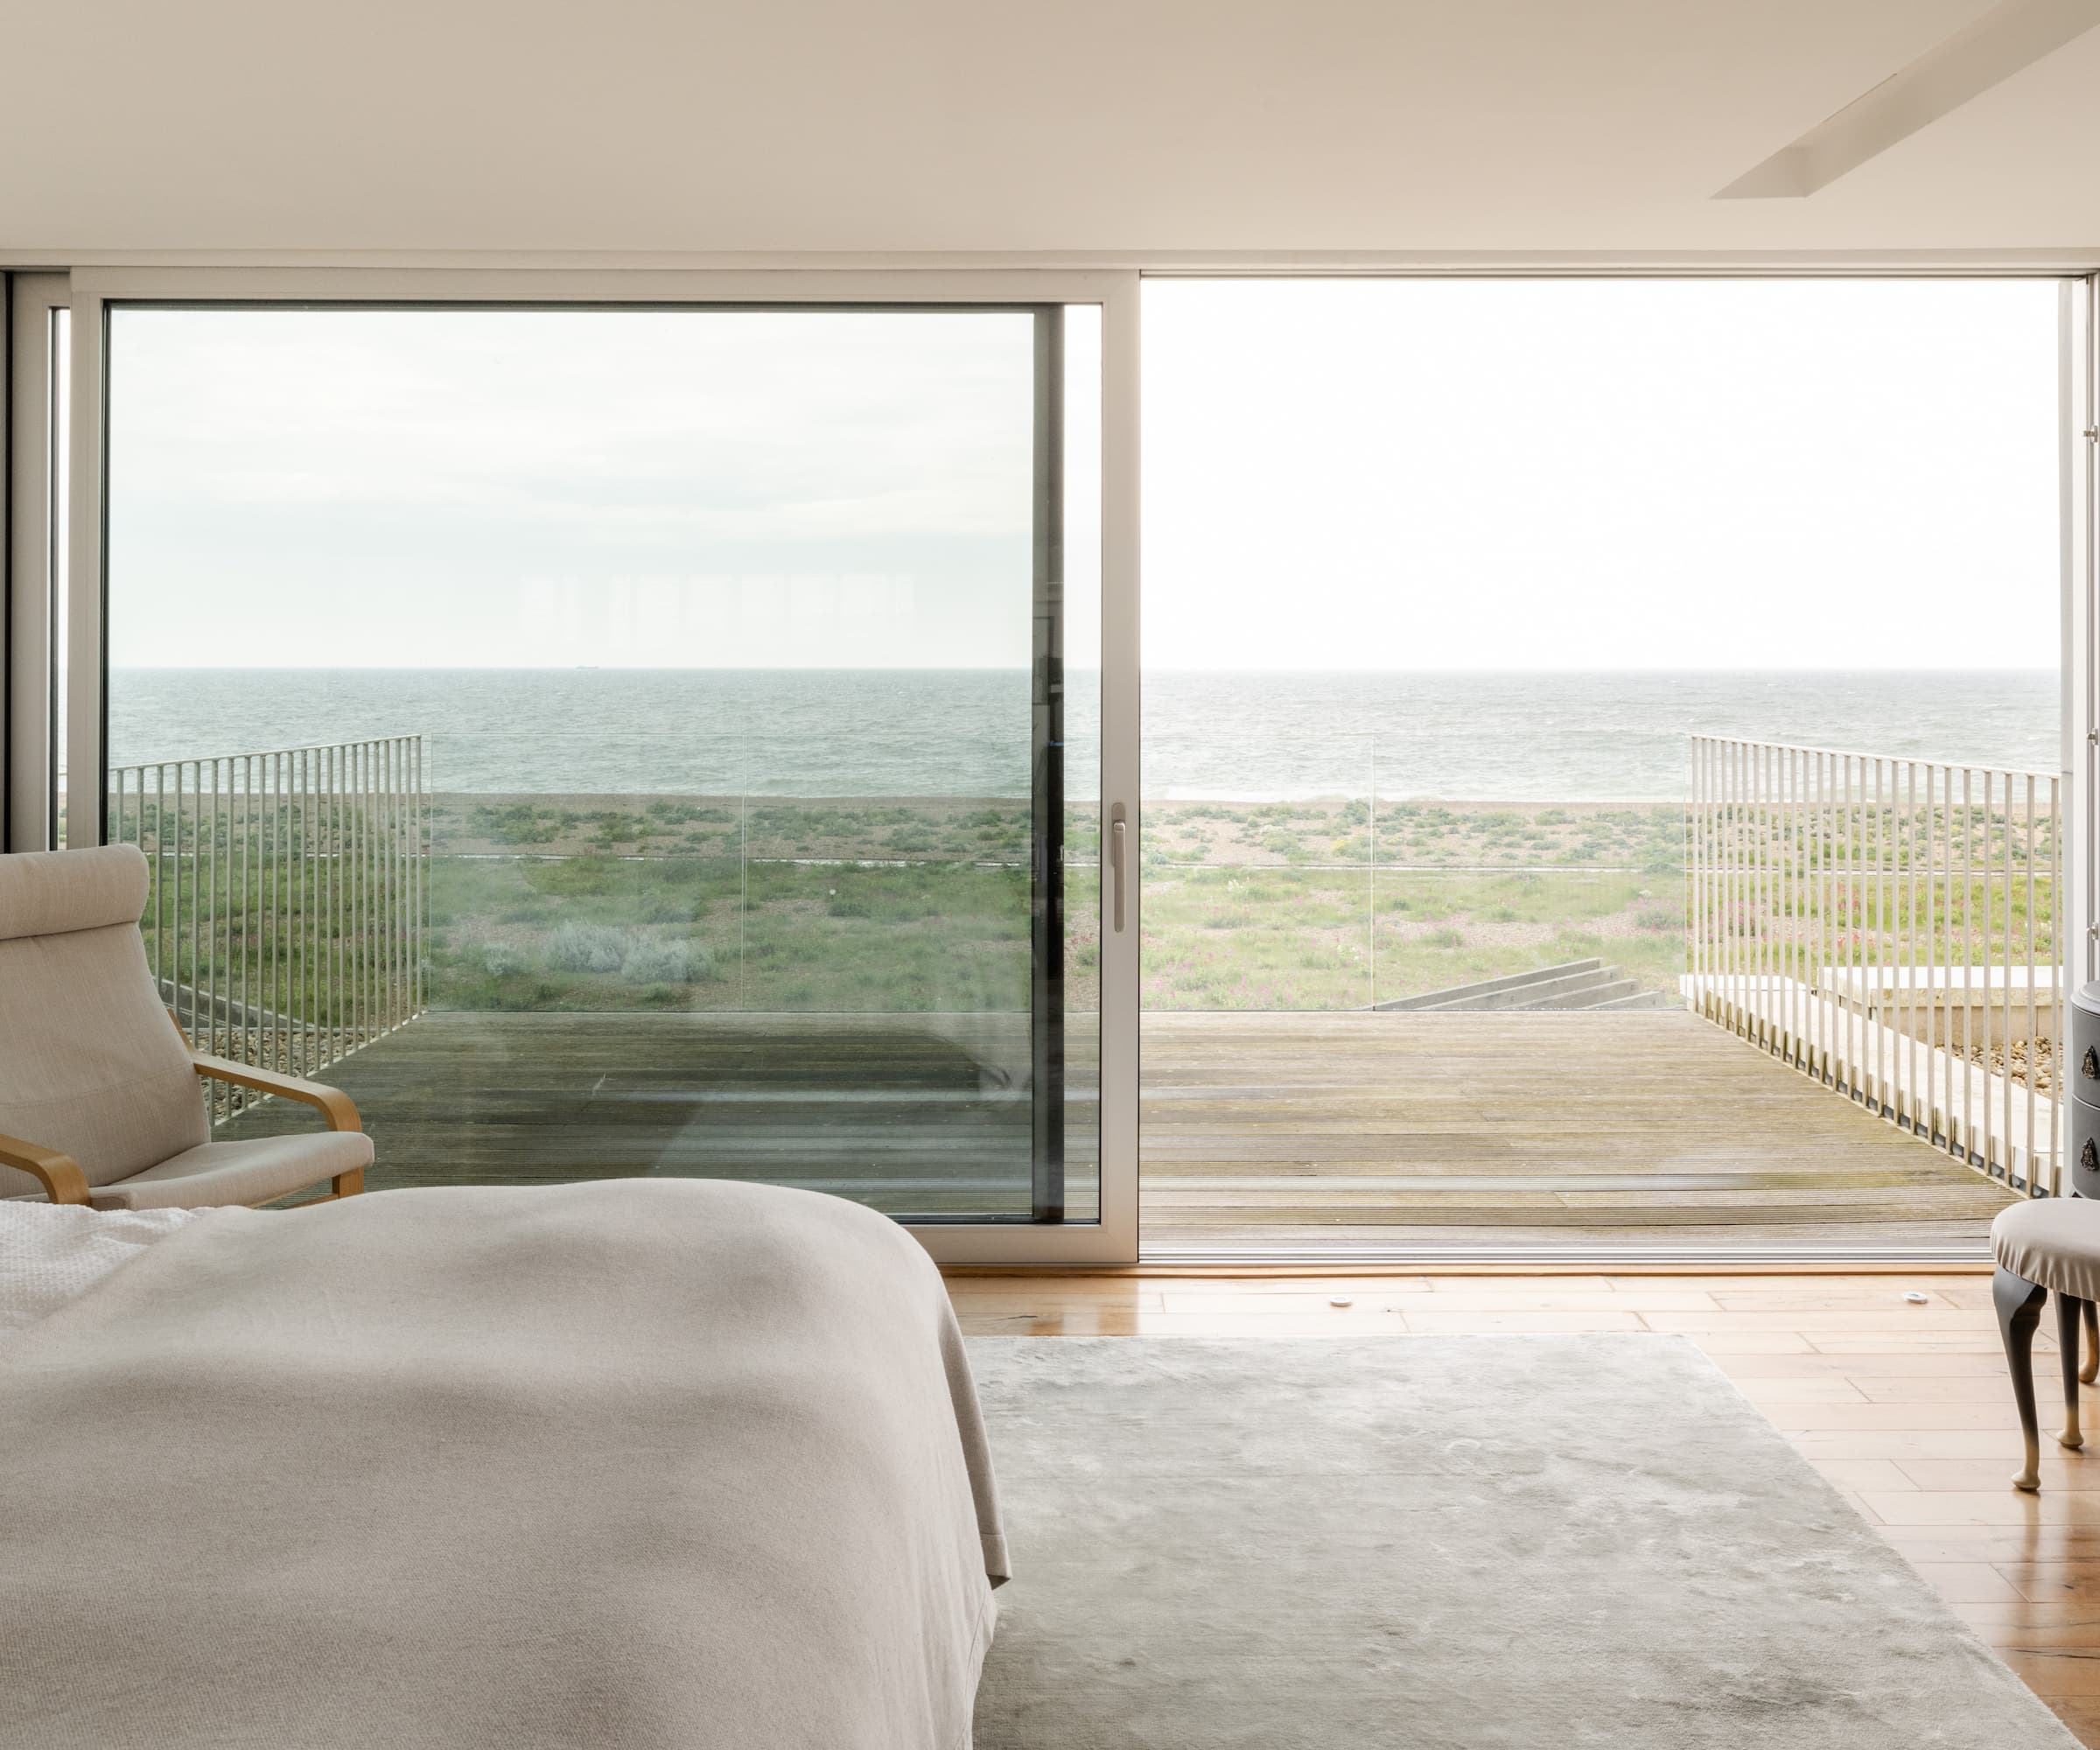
(1269, 1132)
(1703, 1134)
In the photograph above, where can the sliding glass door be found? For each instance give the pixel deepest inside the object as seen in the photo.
(617, 740)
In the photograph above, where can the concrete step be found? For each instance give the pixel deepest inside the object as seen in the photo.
(1574, 984)
(1534, 994)
(1643, 999)
(1589, 995)
(1463, 995)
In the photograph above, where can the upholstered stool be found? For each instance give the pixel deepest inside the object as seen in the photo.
(2051, 1245)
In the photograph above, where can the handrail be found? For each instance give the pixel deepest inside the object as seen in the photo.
(1703, 736)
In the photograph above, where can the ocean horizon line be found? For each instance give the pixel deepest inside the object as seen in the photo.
(1534, 736)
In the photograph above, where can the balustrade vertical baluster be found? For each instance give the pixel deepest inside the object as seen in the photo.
(360, 898)
(2004, 1092)
(195, 811)
(1816, 922)
(1906, 884)
(1941, 902)
(1739, 858)
(1848, 995)
(1762, 862)
(248, 1039)
(1990, 1157)
(1694, 854)
(338, 872)
(1969, 963)
(1745, 810)
(2028, 852)
(1724, 864)
(1887, 950)
(420, 993)
(160, 878)
(1798, 928)
(311, 911)
(1723, 890)
(2060, 1040)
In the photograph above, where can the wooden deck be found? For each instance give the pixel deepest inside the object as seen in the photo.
(1455, 1135)
(1523, 1132)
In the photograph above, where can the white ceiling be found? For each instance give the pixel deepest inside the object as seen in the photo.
(1153, 129)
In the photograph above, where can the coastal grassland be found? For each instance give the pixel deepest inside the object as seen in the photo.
(595, 932)
(1286, 939)
(815, 903)
(1306, 834)
(1346, 831)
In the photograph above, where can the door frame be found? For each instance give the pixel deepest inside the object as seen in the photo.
(2078, 497)
(1113, 1238)
(29, 532)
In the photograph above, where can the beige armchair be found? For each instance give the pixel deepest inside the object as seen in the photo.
(100, 1095)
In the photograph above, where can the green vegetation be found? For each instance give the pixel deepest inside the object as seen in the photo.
(1286, 938)
(588, 903)
(839, 905)
(592, 902)
(595, 932)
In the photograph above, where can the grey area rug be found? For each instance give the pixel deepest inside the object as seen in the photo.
(1444, 1541)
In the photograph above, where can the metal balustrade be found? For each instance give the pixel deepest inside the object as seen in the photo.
(287, 918)
(1888, 926)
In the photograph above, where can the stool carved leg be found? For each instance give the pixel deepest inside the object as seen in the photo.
(2018, 1303)
(2091, 1371)
(2070, 1321)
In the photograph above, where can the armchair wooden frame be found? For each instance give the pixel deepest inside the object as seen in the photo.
(64, 1182)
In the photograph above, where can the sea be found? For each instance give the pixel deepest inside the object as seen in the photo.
(1557, 736)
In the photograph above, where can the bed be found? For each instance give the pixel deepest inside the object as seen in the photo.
(639, 1463)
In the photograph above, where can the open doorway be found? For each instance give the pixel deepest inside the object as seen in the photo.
(1443, 581)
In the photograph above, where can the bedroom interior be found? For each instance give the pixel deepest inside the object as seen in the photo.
(1221, 877)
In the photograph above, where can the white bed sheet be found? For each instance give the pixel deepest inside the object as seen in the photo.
(52, 1253)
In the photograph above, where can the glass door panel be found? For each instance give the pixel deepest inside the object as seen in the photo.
(618, 741)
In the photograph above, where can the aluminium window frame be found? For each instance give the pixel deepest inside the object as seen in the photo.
(2078, 499)
(30, 595)
(559, 280)
(1111, 1240)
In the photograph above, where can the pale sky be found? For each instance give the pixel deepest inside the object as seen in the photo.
(1600, 474)
(1361, 474)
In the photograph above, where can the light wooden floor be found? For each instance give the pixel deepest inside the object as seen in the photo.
(1905, 1408)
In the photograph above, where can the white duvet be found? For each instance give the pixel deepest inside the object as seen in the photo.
(634, 1464)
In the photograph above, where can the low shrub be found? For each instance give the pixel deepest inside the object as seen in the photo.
(587, 948)
(667, 961)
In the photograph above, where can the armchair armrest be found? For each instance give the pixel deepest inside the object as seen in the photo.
(61, 1174)
(337, 1106)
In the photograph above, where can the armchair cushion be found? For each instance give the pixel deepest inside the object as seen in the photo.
(89, 1063)
(55, 892)
(253, 1171)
